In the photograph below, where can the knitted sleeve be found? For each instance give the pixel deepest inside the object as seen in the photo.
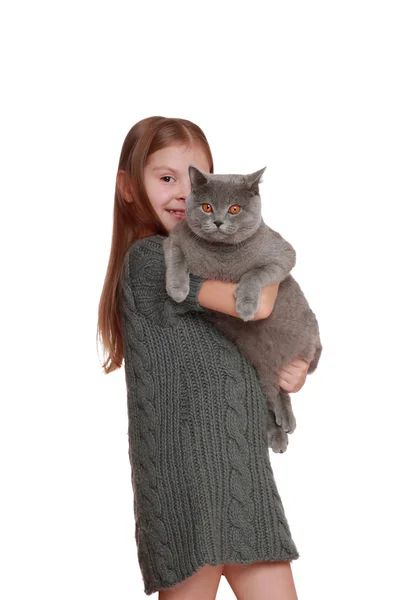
(145, 268)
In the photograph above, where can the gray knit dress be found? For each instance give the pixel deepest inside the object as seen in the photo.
(203, 486)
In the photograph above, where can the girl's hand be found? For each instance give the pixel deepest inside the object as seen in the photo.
(293, 375)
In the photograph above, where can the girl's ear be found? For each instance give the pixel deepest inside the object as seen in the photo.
(197, 177)
(123, 186)
(254, 179)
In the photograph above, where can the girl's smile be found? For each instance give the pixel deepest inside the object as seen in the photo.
(177, 214)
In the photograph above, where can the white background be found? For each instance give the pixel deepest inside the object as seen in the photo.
(308, 89)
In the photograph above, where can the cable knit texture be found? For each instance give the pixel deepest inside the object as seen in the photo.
(203, 486)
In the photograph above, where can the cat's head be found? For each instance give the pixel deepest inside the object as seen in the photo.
(223, 208)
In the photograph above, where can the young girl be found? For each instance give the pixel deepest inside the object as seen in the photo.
(205, 498)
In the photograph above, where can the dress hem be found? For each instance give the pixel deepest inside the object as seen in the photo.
(153, 588)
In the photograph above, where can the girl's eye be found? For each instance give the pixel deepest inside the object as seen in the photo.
(167, 177)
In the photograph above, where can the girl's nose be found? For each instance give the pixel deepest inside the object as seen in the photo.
(184, 190)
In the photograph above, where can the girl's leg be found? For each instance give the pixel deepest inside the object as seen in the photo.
(202, 585)
(261, 580)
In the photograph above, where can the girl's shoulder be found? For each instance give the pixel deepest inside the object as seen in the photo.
(147, 253)
(152, 243)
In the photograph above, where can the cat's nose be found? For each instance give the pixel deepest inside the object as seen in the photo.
(218, 223)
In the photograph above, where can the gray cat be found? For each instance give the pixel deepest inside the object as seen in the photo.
(224, 237)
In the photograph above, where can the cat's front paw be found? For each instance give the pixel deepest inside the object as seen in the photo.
(246, 304)
(246, 309)
(178, 292)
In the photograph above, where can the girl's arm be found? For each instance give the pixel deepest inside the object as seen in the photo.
(144, 278)
(218, 295)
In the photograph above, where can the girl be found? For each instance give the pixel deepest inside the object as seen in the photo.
(205, 498)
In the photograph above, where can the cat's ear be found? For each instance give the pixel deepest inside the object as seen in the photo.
(254, 179)
(197, 177)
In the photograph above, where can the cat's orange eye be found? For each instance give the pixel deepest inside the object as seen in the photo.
(206, 207)
(235, 209)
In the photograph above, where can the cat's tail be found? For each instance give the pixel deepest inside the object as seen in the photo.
(315, 360)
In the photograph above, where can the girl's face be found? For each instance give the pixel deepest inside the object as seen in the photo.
(167, 182)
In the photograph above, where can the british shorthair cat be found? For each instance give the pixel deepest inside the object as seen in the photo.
(224, 236)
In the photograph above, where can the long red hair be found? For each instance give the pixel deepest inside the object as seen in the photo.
(134, 216)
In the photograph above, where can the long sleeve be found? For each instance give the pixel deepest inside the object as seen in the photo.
(144, 273)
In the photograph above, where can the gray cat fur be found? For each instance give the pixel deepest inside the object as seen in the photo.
(242, 248)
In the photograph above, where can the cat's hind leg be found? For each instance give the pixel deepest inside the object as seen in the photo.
(286, 417)
(278, 400)
(278, 439)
